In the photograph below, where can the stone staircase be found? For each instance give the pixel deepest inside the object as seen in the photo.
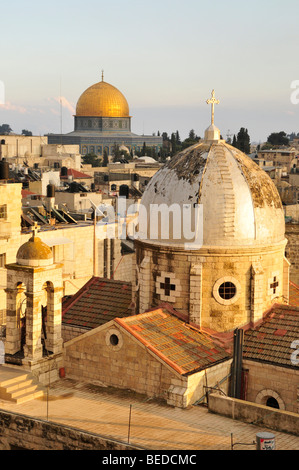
(19, 386)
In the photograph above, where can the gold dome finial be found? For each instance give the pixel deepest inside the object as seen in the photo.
(102, 75)
(212, 101)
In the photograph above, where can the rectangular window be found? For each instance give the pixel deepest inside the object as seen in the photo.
(3, 211)
(2, 260)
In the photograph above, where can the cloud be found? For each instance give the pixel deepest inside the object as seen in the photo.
(12, 107)
(65, 104)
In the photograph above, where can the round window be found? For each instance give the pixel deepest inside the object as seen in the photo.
(227, 290)
(114, 340)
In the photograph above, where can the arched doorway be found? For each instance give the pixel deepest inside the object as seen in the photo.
(270, 398)
(272, 403)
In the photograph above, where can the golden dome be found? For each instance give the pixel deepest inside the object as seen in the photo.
(34, 253)
(102, 100)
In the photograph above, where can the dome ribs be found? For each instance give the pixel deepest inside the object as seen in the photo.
(228, 201)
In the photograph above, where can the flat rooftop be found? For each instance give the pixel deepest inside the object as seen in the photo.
(154, 425)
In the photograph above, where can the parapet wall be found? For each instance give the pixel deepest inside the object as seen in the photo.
(281, 421)
(19, 432)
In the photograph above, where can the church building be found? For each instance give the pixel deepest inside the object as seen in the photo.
(210, 271)
(103, 121)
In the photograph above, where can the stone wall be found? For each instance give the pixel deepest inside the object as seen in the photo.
(93, 358)
(26, 433)
(276, 420)
(266, 380)
(292, 250)
(195, 278)
(130, 365)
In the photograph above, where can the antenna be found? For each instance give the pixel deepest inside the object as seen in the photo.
(60, 110)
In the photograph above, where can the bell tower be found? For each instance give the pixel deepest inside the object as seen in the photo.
(34, 292)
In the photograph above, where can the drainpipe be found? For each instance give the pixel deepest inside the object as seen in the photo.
(236, 384)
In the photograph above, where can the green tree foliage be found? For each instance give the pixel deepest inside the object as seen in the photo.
(105, 158)
(242, 141)
(5, 129)
(92, 159)
(278, 138)
(25, 132)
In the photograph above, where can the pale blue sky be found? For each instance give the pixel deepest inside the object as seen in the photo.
(165, 56)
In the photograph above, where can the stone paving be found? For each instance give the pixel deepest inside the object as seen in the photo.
(154, 426)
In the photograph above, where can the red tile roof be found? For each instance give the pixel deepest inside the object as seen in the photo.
(181, 346)
(294, 294)
(75, 174)
(26, 192)
(271, 341)
(97, 302)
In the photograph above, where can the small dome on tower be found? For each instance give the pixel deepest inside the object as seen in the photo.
(34, 253)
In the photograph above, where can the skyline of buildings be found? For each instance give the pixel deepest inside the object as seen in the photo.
(165, 58)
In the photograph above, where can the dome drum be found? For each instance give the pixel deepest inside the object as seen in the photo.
(106, 124)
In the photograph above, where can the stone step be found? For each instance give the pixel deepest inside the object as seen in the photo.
(28, 397)
(23, 390)
(19, 386)
(6, 382)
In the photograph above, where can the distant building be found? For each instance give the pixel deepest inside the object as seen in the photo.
(102, 121)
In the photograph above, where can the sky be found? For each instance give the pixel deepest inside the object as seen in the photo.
(165, 56)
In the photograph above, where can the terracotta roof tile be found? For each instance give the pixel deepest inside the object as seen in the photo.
(181, 346)
(271, 340)
(97, 302)
(294, 294)
(75, 174)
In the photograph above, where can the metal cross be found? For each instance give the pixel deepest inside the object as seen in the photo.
(274, 285)
(35, 229)
(213, 101)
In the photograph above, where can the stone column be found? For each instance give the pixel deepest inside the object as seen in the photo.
(195, 294)
(286, 280)
(13, 324)
(144, 284)
(257, 291)
(33, 348)
(54, 340)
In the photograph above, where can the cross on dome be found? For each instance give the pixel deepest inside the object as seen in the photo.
(212, 101)
(35, 229)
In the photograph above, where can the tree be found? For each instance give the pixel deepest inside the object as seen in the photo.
(91, 159)
(234, 144)
(278, 138)
(105, 158)
(177, 138)
(192, 135)
(243, 140)
(5, 129)
(143, 152)
(173, 144)
(25, 132)
(192, 139)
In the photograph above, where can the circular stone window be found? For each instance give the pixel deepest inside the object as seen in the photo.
(226, 290)
(114, 339)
